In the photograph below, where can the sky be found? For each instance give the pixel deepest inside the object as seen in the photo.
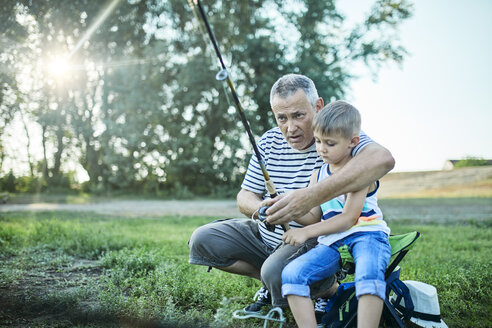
(438, 105)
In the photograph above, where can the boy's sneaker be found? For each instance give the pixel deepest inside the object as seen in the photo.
(320, 309)
(262, 298)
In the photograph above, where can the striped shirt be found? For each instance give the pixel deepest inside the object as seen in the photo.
(288, 168)
(371, 217)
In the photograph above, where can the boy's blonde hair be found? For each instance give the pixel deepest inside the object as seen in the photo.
(338, 118)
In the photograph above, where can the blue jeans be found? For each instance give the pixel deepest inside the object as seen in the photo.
(370, 250)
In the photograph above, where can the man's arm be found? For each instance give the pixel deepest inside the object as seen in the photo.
(314, 215)
(372, 163)
(248, 202)
(341, 222)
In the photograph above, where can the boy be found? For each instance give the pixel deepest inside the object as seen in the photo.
(353, 219)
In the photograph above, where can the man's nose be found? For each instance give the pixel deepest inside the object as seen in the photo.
(291, 126)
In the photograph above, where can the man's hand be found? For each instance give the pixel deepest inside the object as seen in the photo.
(291, 206)
(295, 236)
(270, 201)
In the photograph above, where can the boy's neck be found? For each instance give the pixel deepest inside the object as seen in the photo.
(336, 167)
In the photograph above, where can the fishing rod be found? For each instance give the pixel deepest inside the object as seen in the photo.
(223, 75)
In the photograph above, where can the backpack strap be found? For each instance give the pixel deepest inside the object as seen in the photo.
(347, 265)
(340, 306)
(402, 292)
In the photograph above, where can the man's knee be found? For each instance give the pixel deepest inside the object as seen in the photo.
(271, 273)
(204, 250)
(200, 236)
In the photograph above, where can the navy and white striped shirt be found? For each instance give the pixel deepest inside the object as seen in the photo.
(288, 168)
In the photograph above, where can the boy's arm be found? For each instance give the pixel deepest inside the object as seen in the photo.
(339, 223)
(373, 162)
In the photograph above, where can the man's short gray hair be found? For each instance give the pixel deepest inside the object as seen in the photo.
(288, 84)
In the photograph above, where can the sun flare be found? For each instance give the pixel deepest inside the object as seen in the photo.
(58, 67)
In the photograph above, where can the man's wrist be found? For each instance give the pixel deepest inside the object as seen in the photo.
(315, 195)
(322, 192)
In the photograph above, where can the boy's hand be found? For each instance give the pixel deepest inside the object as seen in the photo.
(295, 236)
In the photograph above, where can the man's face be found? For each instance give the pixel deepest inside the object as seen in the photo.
(294, 116)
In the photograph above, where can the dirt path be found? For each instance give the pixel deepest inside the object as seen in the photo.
(134, 208)
(417, 210)
(392, 185)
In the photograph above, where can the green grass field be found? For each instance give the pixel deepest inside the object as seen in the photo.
(66, 269)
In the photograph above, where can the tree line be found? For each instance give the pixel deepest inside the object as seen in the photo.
(136, 105)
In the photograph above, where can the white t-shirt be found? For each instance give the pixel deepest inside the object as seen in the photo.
(288, 168)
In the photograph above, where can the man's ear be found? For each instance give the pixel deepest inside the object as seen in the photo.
(355, 140)
(319, 104)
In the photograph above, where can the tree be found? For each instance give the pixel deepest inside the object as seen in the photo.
(72, 109)
(253, 38)
(12, 33)
(138, 106)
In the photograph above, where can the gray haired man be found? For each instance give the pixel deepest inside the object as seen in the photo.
(242, 246)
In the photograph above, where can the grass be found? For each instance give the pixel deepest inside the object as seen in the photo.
(463, 210)
(67, 269)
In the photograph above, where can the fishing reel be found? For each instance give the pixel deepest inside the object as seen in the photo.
(262, 216)
(262, 213)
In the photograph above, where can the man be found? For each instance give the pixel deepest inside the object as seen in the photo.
(242, 246)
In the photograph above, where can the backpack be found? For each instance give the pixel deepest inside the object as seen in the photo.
(340, 306)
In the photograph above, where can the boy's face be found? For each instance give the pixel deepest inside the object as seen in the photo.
(334, 149)
(294, 116)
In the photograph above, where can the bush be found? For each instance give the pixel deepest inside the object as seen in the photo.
(34, 184)
(27, 184)
(471, 161)
(8, 183)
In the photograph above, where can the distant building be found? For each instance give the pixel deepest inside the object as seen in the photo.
(450, 163)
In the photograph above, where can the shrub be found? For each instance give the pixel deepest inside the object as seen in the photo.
(471, 161)
(8, 183)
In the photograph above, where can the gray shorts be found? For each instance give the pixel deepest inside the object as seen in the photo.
(223, 242)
